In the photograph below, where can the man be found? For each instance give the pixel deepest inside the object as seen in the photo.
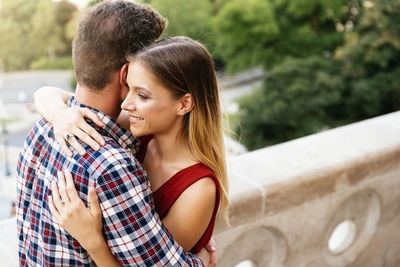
(132, 228)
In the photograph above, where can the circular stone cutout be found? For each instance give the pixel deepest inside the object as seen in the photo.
(342, 237)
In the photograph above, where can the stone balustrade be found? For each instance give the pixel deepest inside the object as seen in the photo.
(329, 199)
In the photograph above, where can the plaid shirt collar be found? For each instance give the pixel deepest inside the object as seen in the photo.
(112, 129)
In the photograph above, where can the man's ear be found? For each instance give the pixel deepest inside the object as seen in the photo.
(122, 74)
(186, 104)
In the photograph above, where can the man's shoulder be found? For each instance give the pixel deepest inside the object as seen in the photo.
(38, 136)
(109, 157)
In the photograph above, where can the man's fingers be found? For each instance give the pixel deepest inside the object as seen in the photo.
(87, 113)
(212, 248)
(213, 258)
(211, 245)
(204, 255)
(72, 193)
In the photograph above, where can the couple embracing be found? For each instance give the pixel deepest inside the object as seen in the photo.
(91, 192)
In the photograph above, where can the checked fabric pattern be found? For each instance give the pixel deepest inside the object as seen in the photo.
(132, 228)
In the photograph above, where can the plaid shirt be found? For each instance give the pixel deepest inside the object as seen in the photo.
(132, 228)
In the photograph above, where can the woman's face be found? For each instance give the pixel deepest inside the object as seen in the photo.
(152, 108)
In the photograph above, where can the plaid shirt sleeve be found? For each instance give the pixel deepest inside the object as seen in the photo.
(132, 228)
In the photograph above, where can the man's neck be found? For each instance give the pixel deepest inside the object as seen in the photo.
(106, 100)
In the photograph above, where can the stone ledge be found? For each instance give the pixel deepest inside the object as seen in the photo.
(308, 187)
(308, 168)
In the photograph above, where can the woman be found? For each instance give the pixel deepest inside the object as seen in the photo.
(173, 107)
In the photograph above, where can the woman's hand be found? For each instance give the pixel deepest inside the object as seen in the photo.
(70, 123)
(82, 223)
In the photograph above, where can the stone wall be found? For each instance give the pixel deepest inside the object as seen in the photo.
(329, 199)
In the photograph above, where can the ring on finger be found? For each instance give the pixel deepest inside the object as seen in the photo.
(68, 136)
(63, 201)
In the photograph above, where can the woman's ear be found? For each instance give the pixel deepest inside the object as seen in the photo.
(122, 74)
(186, 104)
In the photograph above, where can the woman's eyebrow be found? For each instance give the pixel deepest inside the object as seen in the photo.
(142, 88)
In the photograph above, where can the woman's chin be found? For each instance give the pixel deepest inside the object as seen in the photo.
(137, 132)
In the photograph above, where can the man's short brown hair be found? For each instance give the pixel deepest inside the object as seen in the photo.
(109, 32)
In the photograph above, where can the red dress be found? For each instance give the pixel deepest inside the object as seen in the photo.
(166, 194)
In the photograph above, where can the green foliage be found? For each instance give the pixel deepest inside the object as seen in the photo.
(94, 2)
(247, 28)
(65, 12)
(190, 18)
(308, 94)
(266, 31)
(370, 61)
(298, 97)
(28, 31)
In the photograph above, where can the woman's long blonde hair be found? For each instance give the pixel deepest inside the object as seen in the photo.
(184, 66)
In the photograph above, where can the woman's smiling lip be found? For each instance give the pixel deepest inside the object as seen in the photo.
(134, 119)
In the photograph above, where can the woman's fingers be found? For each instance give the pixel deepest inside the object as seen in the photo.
(86, 138)
(85, 127)
(53, 209)
(94, 205)
(56, 195)
(87, 113)
(72, 193)
(64, 146)
(76, 145)
(62, 187)
(70, 126)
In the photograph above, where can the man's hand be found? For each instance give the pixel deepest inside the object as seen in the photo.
(208, 254)
(212, 249)
(205, 256)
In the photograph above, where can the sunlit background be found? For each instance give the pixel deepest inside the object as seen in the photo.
(287, 68)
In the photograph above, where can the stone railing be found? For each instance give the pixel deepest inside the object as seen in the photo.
(329, 199)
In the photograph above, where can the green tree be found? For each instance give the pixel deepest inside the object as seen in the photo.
(28, 31)
(370, 61)
(190, 18)
(65, 12)
(263, 32)
(247, 28)
(305, 95)
(298, 97)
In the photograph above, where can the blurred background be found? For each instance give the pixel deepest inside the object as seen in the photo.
(287, 68)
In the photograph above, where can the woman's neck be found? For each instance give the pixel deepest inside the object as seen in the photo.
(170, 148)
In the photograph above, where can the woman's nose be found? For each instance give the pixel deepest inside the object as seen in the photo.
(128, 104)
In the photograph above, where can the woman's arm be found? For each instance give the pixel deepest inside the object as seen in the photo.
(50, 100)
(51, 104)
(190, 215)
